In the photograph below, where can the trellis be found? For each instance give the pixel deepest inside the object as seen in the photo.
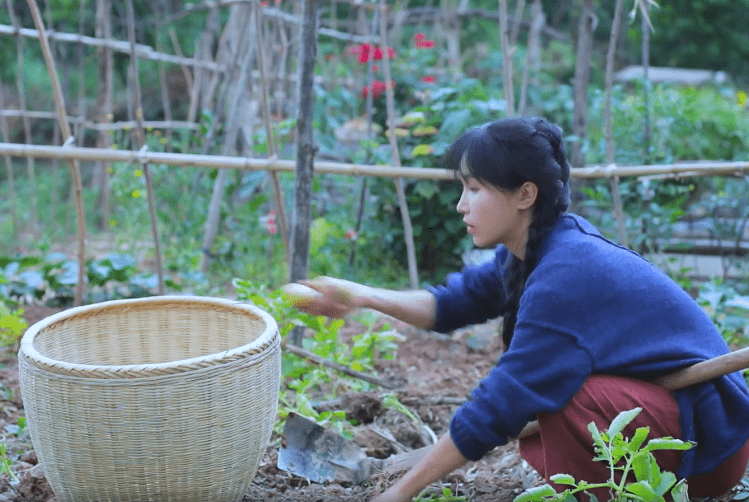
(204, 74)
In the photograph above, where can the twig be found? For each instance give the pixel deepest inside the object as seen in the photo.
(322, 361)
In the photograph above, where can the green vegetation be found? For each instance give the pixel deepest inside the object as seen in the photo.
(624, 456)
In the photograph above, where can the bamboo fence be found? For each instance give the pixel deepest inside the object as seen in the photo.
(144, 156)
(204, 74)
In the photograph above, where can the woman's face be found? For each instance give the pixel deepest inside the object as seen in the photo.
(494, 216)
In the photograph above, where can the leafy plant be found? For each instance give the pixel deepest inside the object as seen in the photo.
(625, 456)
(5, 463)
(12, 325)
(303, 383)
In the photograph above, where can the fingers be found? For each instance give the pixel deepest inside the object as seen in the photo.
(321, 296)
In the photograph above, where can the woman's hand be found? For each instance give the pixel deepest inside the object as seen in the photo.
(442, 459)
(327, 296)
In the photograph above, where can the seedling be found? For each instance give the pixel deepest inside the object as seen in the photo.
(626, 456)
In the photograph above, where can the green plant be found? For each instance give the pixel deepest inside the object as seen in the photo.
(303, 383)
(625, 456)
(5, 463)
(445, 496)
(12, 325)
(727, 308)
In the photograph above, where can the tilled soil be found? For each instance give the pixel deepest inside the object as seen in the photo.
(435, 374)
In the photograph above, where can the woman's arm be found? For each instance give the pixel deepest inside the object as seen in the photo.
(338, 297)
(441, 460)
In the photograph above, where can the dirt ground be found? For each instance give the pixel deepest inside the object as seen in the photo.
(435, 374)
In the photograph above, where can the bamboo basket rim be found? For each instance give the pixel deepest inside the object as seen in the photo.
(130, 371)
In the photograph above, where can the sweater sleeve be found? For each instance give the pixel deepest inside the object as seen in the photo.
(473, 295)
(541, 372)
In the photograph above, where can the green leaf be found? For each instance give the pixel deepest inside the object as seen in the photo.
(667, 443)
(640, 435)
(534, 494)
(641, 466)
(563, 479)
(622, 420)
(679, 492)
(641, 489)
(597, 439)
(668, 479)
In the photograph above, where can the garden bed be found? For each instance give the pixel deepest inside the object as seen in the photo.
(437, 372)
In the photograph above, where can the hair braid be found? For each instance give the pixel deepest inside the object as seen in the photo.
(521, 269)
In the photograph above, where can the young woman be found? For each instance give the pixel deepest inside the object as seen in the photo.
(587, 324)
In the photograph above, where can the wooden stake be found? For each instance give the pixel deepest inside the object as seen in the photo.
(74, 167)
(408, 233)
(140, 134)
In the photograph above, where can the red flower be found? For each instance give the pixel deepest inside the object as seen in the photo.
(418, 38)
(426, 44)
(377, 88)
(428, 80)
(379, 54)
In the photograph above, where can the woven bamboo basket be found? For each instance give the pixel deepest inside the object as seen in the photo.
(158, 399)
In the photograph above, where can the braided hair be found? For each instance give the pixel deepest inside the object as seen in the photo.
(505, 154)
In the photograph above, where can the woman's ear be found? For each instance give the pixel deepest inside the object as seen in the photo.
(527, 195)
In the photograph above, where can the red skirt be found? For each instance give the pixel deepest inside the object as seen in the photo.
(564, 444)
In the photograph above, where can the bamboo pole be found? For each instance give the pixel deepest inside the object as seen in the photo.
(413, 272)
(9, 170)
(610, 151)
(143, 51)
(74, 167)
(30, 167)
(140, 134)
(507, 54)
(683, 169)
(103, 126)
(280, 202)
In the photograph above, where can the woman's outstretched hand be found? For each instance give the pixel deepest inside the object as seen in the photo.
(326, 296)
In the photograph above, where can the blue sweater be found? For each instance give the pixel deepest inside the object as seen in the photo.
(590, 307)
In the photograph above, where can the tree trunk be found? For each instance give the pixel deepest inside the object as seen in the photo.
(586, 27)
(610, 152)
(305, 149)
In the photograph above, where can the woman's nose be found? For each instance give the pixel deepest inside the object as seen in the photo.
(462, 206)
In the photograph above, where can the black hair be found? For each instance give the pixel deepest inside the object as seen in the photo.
(505, 154)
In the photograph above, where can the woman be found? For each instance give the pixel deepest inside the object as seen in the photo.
(586, 325)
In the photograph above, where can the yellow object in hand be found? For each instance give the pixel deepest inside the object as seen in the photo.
(298, 294)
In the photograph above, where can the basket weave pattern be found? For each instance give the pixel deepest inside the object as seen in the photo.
(163, 399)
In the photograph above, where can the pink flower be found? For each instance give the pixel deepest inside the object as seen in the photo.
(377, 88)
(351, 234)
(426, 44)
(270, 223)
(428, 80)
(418, 38)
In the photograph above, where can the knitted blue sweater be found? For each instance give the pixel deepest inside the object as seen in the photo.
(590, 307)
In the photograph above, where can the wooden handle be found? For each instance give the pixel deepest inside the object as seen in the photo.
(703, 371)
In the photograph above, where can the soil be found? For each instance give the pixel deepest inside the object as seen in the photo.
(435, 374)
